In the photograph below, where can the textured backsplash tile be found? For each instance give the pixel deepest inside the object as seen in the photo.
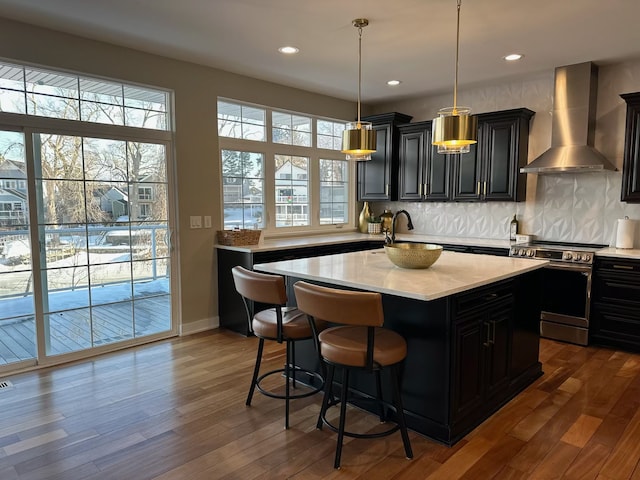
(582, 207)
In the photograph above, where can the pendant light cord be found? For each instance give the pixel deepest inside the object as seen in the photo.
(455, 82)
(359, 71)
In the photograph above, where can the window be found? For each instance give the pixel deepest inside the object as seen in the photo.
(292, 196)
(330, 134)
(242, 189)
(287, 176)
(241, 121)
(145, 211)
(144, 193)
(47, 93)
(334, 191)
(291, 129)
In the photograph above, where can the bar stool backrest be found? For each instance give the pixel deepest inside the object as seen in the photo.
(340, 306)
(260, 287)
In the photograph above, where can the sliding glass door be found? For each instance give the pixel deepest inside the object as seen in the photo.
(103, 221)
(17, 308)
(101, 272)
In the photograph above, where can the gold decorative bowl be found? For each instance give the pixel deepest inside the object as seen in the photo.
(413, 255)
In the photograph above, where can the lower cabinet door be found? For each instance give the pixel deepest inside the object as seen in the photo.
(469, 338)
(498, 353)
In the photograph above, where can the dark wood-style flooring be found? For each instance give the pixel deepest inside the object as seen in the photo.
(175, 410)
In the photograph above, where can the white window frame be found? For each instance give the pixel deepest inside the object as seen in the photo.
(313, 153)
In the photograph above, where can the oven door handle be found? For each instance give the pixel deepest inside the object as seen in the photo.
(570, 266)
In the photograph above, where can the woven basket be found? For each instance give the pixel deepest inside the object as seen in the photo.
(239, 237)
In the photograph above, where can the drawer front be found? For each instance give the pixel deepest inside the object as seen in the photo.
(619, 325)
(617, 286)
(482, 299)
(618, 265)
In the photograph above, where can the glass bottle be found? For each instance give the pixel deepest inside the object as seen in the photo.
(513, 228)
(363, 219)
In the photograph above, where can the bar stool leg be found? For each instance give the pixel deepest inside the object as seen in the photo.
(328, 393)
(292, 347)
(287, 386)
(343, 414)
(381, 413)
(256, 370)
(400, 411)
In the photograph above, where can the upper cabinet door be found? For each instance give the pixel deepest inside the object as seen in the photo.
(378, 177)
(374, 175)
(504, 140)
(438, 175)
(413, 157)
(631, 166)
(467, 175)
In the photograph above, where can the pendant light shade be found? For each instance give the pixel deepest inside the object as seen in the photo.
(359, 138)
(455, 129)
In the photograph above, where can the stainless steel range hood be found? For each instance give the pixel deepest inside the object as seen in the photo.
(573, 124)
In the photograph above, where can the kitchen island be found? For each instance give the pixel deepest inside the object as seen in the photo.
(471, 323)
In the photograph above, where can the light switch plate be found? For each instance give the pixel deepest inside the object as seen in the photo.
(196, 221)
(207, 221)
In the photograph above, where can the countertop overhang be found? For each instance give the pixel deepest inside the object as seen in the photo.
(371, 270)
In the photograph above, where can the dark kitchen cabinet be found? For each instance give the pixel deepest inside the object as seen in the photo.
(615, 303)
(631, 166)
(423, 172)
(481, 349)
(490, 171)
(378, 177)
(231, 310)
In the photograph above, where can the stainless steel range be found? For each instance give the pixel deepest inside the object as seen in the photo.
(566, 290)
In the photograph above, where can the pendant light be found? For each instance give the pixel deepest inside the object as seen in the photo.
(359, 138)
(454, 129)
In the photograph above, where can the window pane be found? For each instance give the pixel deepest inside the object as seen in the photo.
(329, 134)
(242, 189)
(241, 121)
(291, 129)
(334, 191)
(292, 190)
(48, 93)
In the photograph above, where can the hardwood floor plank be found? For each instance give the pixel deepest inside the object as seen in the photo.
(581, 431)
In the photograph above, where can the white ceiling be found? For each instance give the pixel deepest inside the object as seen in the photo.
(409, 40)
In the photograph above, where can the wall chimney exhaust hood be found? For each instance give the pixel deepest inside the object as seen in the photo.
(573, 124)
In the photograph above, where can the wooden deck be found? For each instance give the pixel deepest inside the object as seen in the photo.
(72, 330)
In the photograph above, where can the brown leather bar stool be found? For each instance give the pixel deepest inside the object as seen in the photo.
(358, 343)
(279, 323)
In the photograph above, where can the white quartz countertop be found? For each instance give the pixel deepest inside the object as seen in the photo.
(371, 270)
(285, 243)
(631, 253)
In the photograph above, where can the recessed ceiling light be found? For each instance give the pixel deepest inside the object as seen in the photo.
(288, 50)
(512, 57)
(393, 83)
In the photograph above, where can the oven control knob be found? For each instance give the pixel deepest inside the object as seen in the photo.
(587, 257)
(567, 256)
(578, 257)
(530, 253)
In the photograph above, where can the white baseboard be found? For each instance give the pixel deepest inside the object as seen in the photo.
(200, 326)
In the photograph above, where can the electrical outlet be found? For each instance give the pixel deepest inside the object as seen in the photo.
(196, 221)
(207, 221)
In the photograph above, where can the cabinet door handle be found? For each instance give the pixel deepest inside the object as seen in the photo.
(419, 189)
(623, 267)
(486, 341)
(484, 189)
(493, 332)
(386, 189)
(478, 189)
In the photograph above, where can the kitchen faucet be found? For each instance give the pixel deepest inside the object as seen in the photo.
(391, 239)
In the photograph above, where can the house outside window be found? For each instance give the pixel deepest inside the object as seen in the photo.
(290, 176)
